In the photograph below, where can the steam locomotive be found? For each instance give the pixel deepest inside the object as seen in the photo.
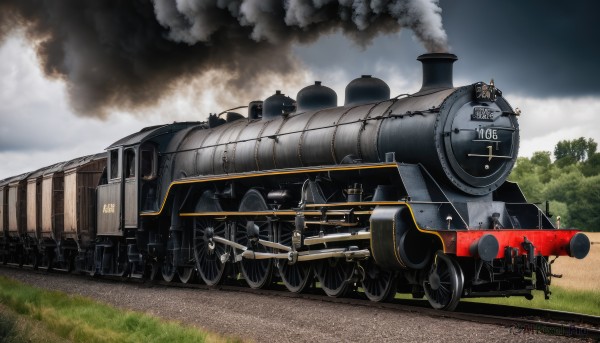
(381, 195)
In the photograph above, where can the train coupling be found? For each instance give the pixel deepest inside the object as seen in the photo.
(525, 262)
(529, 264)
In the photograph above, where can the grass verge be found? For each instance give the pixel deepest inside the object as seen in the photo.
(22, 329)
(561, 299)
(79, 319)
(578, 301)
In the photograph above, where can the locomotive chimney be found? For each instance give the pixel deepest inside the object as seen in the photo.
(437, 70)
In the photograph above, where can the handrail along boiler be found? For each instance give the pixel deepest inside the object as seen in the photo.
(388, 194)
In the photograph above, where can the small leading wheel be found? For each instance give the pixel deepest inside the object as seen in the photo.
(257, 272)
(378, 285)
(443, 284)
(334, 275)
(296, 277)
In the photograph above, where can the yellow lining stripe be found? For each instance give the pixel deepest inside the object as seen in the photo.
(291, 172)
(394, 240)
(267, 173)
(431, 232)
(358, 203)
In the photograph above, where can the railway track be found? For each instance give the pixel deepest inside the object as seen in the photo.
(528, 320)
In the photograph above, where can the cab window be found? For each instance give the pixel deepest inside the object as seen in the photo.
(148, 162)
(129, 163)
(114, 171)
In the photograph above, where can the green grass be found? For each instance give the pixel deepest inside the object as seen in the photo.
(561, 299)
(20, 329)
(79, 319)
(8, 329)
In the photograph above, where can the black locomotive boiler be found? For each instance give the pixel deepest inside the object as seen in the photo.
(383, 195)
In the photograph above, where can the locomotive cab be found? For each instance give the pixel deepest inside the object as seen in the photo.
(133, 185)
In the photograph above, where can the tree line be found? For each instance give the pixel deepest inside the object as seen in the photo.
(570, 182)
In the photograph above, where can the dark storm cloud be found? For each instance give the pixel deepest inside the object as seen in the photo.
(538, 48)
(534, 48)
(129, 54)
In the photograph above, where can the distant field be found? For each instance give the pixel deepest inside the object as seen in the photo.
(580, 274)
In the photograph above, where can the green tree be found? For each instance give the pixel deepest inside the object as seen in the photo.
(544, 165)
(541, 159)
(562, 149)
(523, 167)
(571, 183)
(591, 147)
(578, 149)
(591, 167)
(585, 211)
(564, 188)
(532, 188)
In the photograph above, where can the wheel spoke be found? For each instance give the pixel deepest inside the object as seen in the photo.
(185, 274)
(296, 277)
(378, 285)
(209, 265)
(257, 273)
(333, 275)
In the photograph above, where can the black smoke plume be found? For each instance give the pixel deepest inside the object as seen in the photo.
(128, 54)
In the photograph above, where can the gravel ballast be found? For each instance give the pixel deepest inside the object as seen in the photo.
(262, 318)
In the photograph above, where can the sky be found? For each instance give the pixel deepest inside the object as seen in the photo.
(541, 54)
